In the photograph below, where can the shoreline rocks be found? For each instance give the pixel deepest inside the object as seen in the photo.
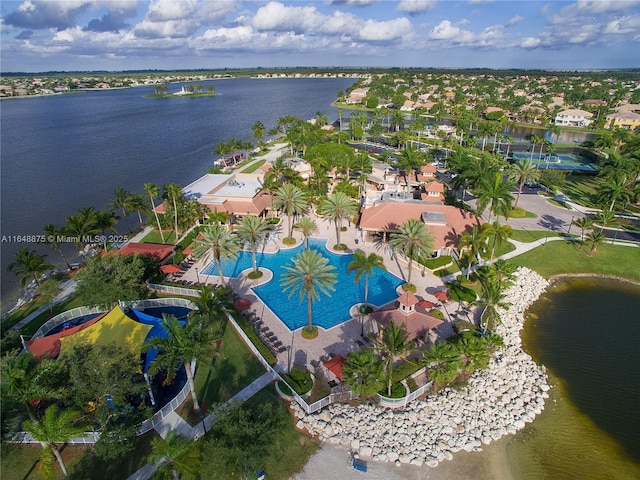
(497, 401)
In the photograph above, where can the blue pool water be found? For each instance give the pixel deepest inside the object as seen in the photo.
(327, 311)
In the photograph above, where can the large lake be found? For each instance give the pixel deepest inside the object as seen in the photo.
(62, 153)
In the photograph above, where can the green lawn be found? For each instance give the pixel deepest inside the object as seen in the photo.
(219, 380)
(529, 236)
(154, 237)
(252, 168)
(564, 257)
(20, 462)
(582, 189)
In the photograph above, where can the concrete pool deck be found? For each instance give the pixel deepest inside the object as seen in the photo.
(342, 338)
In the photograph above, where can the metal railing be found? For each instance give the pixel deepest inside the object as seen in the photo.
(187, 292)
(65, 317)
(163, 302)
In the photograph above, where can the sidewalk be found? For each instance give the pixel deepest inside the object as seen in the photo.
(68, 287)
(174, 422)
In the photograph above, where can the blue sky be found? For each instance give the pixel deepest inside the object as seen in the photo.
(179, 34)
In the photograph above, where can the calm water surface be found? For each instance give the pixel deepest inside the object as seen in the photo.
(62, 153)
(587, 333)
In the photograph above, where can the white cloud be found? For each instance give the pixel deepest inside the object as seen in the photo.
(277, 16)
(415, 6)
(165, 10)
(384, 31)
(623, 25)
(446, 30)
(514, 21)
(530, 42)
(599, 6)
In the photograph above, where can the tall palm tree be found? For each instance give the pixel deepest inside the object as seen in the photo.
(583, 224)
(81, 226)
(55, 427)
(181, 345)
(393, 343)
(54, 237)
(497, 234)
(121, 201)
(491, 297)
(473, 243)
(362, 371)
(593, 239)
(496, 194)
(172, 192)
(521, 172)
(412, 240)
(473, 349)
(337, 207)
(292, 201)
(364, 265)
(217, 243)
(444, 362)
(535, 139)
(253, 229)
(105, 221)
(363, 165)
(176, 455)
(138, 205)
(24, 380)
(152, 191)
(258, 131)
(309, 274)
(207, 304)
(614, 190)
(308, 227)
(410, 158)
(28, 264)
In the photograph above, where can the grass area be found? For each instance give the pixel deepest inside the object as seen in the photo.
(582, 189)
(252, 168)
(154, 237)
(20, 462)
(528, 236)
(521, 213)
(566, 258)
(219, 380)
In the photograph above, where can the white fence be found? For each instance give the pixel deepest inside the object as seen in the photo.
(65, 317)
(186, 292)
(402, 402)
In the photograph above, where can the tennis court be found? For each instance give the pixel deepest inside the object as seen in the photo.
(558, 161)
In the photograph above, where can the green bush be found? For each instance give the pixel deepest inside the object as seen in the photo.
(289, 241)
(411, 383)
(255, 339)
(253, 275)
(299, 380)
(437, 313)
(409, 287)
(433, 263)
(398, 390)
(340, 247)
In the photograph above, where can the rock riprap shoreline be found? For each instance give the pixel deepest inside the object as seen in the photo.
(497, 401)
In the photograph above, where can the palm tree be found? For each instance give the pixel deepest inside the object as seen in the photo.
(309, 274)
(444, 362)
(473, 349)
(412, 240)
(121, 201)
(207, 304)
(55, 427)
(308, 227)
(152, 191)
(393, 343)
(593, 239)
(172, 192)
(176, 455)
(473, 243)
(258, 131)
(522, 172)
(292, 201)
(253, 229)
(410, 158)
(496, 194)
(217, 243)
(181, 345)
(24, 380)
(28, 264)
(491, 297)
(337, 207)
(363, 165)
(614, 191)
(105, 221)
(81, 226)
(364, 264)
(361, 372)
(534, 140)
(583, 224)
(54, 237)
(497, 234)
(138, 205)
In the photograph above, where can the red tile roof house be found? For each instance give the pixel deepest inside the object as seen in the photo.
(445, 222)
(160, 252)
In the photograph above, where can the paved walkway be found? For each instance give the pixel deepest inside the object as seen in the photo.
(68, 287)
(174, 422)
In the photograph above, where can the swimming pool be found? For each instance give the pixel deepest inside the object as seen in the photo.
(327, 311)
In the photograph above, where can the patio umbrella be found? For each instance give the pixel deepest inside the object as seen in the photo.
(242, 304)
(442, 295)
(426, 304)
(187, 251)
(171, 268)
(335, 365)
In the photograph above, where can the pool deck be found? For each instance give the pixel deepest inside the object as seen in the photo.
(342, 338)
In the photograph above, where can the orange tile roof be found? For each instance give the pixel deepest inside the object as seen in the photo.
(387, 217)
(158, 251)
(417, 323)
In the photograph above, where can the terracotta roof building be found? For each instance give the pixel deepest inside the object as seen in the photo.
(157, 251)
(408, 312)
(445, 222)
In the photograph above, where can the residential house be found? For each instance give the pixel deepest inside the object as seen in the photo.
(625, 120)
(574, 118)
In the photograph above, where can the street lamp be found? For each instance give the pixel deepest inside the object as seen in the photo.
(288, 358)
(570, 224)
(197, 276)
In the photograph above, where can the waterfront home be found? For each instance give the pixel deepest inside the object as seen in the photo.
(624, 120)
(574, 118)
